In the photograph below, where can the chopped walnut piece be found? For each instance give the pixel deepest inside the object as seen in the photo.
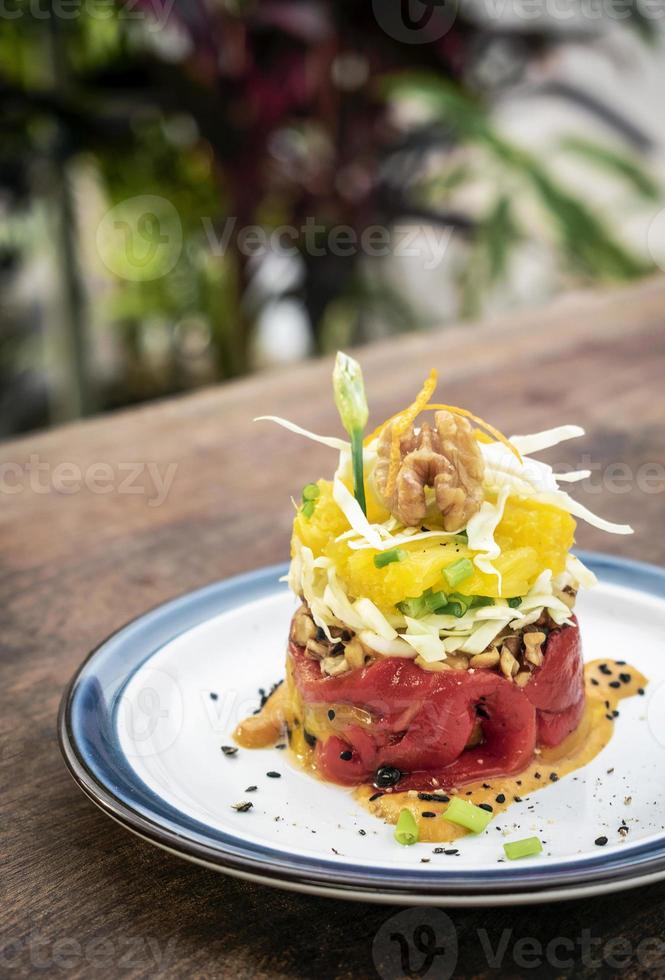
(334, 666)
(355, 653)
(436, 666)
(316, 650)
(533, 653)
(489, 658)
(303, 627)
(445, 457)
(509, 665)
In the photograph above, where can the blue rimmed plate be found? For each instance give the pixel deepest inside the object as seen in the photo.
(142, 724)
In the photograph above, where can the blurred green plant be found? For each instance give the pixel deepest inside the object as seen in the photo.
(270, 113)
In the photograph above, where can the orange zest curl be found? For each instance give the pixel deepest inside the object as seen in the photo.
(402, 423)
(402, 420)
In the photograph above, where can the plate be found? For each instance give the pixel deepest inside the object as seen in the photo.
(142, 724)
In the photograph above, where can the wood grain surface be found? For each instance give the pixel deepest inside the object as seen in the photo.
(81, 896)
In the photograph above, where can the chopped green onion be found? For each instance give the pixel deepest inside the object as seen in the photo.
(406, 831)
(434, 601)
(413, 607)
(457, 605)
(458, 571)
(515, 603)
(523, 848)
(308, 508)
(351, 402)
(481, 600)
(311, 491)
(388, 557)
(467, 815)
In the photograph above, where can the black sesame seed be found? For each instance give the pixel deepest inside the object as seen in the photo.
(251, 789)
(600, 841)
(614, 684)
(501, 798)
(387, 776)
(243, 807)
(346, 755)
(229, 749)
(537, 775)
(281, 745)
(309, 738)
(640, 691)
(438, 850)
(213, 696)
(434, 797)
(331, 714)
(625, 678)
(554, 778)
(427, 813)
(604, 669)
(451, 850)
(594, 682)
(615, 713)
(274, 775)
(620, 663)
(486, 806)
(486, 786)
(375, 796)
(363, 833)
(517, 799)
(609, 717)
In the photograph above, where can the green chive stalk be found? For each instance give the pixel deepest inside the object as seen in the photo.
(351, 402)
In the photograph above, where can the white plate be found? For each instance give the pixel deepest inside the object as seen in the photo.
(143, 723)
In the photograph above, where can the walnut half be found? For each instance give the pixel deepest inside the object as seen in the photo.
(446, 457)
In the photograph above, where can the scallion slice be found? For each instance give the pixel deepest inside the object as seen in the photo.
(308, 508)
(456, 605)
(523, 848)
(414, 607)
(435, 601)
(406, 831)
(458, 572)
(467, 815)
(384, 558)
(351, 402)
(311, 491)
(515, 603)
(481, 600)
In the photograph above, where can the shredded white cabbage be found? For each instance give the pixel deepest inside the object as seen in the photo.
(331, 441)
(480, 532)
(387, 648)
(573, 476)
(535, 443)
(353, 512)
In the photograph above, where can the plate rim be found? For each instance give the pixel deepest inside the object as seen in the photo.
(442, 886)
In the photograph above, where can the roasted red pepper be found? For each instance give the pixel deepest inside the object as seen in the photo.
(423, 721)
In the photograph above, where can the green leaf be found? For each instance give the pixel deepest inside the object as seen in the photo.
(615, 163)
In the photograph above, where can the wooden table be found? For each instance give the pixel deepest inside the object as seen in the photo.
(85, 897)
